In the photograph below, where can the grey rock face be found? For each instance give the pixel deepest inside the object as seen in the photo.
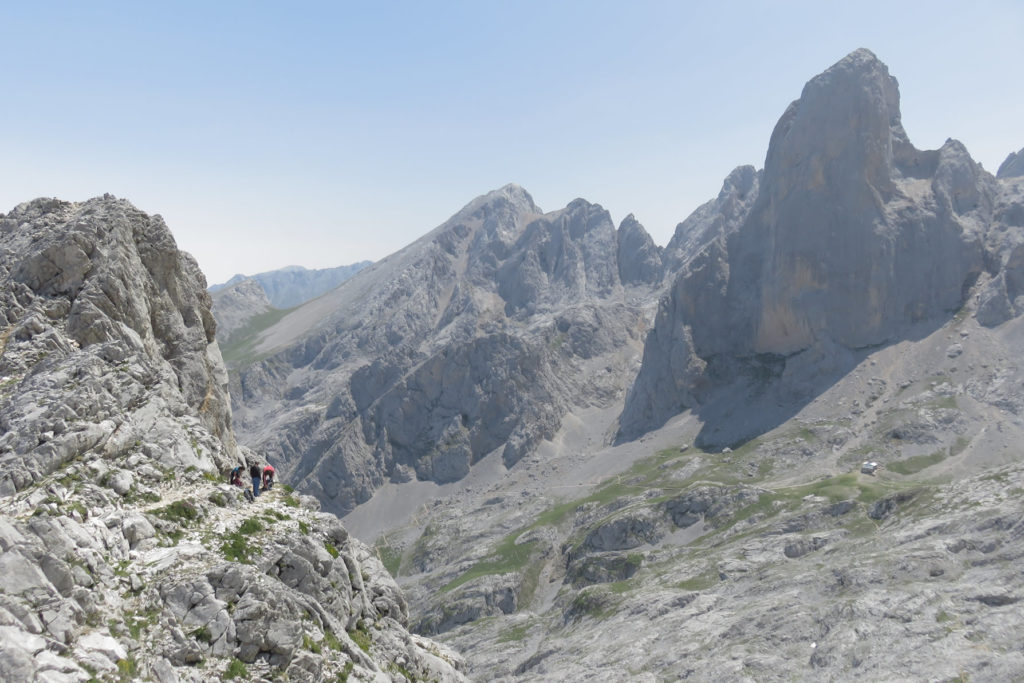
(295, 285)
(854, 238)
(474, 339)
(639, 258)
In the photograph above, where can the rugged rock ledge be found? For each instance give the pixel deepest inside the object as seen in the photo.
(120, 554)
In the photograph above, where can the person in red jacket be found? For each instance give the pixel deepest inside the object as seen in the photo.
(268, 477)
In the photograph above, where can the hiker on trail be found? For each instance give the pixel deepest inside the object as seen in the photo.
(254, 472)
(235, 478)
(268, 477)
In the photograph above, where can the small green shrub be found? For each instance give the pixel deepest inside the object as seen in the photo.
(127, 669)
(236, 546)
(344, 674)
(250, 526)
(303, 528)
(311, 645)
(331, 549)
(236, 668)
(202, 634)
(291, 501)
(331, 640)
(183, 512)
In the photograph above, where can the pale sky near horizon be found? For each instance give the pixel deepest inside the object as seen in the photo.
(324, 133)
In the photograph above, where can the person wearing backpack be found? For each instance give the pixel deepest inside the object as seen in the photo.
(268, 477)
(254, 472)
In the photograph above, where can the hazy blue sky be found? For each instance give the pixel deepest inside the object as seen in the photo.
(323, 133)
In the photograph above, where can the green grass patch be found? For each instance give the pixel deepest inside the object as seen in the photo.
(236, 547)
(593, 601)
(390, 556)
(303, 528)
(361, 637)
(240, 346)
(701, 582)
(507, 557)
(331, 640)
(291, 501)
(331, 549)
(138, 623)
(917, 463)
(514, 634)
(959, 446)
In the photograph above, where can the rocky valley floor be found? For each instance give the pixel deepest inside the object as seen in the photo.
(776, 559)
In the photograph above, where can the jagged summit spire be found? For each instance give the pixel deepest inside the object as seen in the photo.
(842, 130)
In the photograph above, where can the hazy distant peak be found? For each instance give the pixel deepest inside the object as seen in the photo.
(1013, 166)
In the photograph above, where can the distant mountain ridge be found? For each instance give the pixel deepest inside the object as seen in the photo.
(478, 337)
(293, 285)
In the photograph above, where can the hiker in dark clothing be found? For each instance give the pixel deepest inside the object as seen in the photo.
(235, 478)
(254, 472)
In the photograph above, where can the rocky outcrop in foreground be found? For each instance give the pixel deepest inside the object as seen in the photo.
(121, 555)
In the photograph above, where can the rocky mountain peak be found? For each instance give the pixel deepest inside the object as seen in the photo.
(507, 201)
(639, 257)
(840, 132)
(854, 238)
